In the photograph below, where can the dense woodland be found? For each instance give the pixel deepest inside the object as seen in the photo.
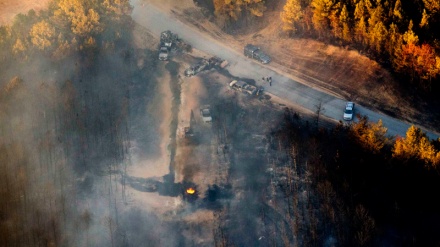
(402, 35)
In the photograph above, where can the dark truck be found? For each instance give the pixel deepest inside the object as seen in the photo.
(255, 52)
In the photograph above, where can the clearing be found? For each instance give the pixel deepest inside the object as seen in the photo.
(339, 70)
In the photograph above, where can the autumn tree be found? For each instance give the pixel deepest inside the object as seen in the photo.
(394, 41)
(377, 32)
(291, 14)
(409, 36)
(344, 20)
(233, 9)
(82, 18)
(322, 9)
(42, 35)
(117, 8)
(371, 136)
(416, 145)
(397, 11)
(432, 5)
(360, 21)
(424, 22)
(360, 30)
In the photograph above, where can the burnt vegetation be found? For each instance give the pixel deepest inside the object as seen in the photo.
(365, 195)
(71, 93)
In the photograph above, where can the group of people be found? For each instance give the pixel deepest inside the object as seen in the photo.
(268, 79)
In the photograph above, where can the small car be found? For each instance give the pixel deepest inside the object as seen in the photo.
(206, 114)
(349, 109)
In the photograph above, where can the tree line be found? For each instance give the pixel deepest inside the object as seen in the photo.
(228, 11)
(403, 32)
(67, 26)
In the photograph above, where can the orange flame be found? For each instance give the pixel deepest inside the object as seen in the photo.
(190, 191)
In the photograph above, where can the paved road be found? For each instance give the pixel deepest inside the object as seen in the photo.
(284, 87)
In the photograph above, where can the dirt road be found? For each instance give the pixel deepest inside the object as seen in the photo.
(283, 85)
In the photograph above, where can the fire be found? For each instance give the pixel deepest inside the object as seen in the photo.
(190, 191)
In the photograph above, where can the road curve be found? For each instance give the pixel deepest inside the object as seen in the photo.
(155, 20)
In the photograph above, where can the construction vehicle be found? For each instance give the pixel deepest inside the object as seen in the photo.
(256, 53)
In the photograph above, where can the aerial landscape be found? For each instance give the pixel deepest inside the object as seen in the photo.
(219, 123)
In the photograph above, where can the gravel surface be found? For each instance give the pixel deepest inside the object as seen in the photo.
(157, 20)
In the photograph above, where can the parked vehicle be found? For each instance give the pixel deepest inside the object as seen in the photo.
(256, 53)
(163, 53)
(349, 111)
(206, 114)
